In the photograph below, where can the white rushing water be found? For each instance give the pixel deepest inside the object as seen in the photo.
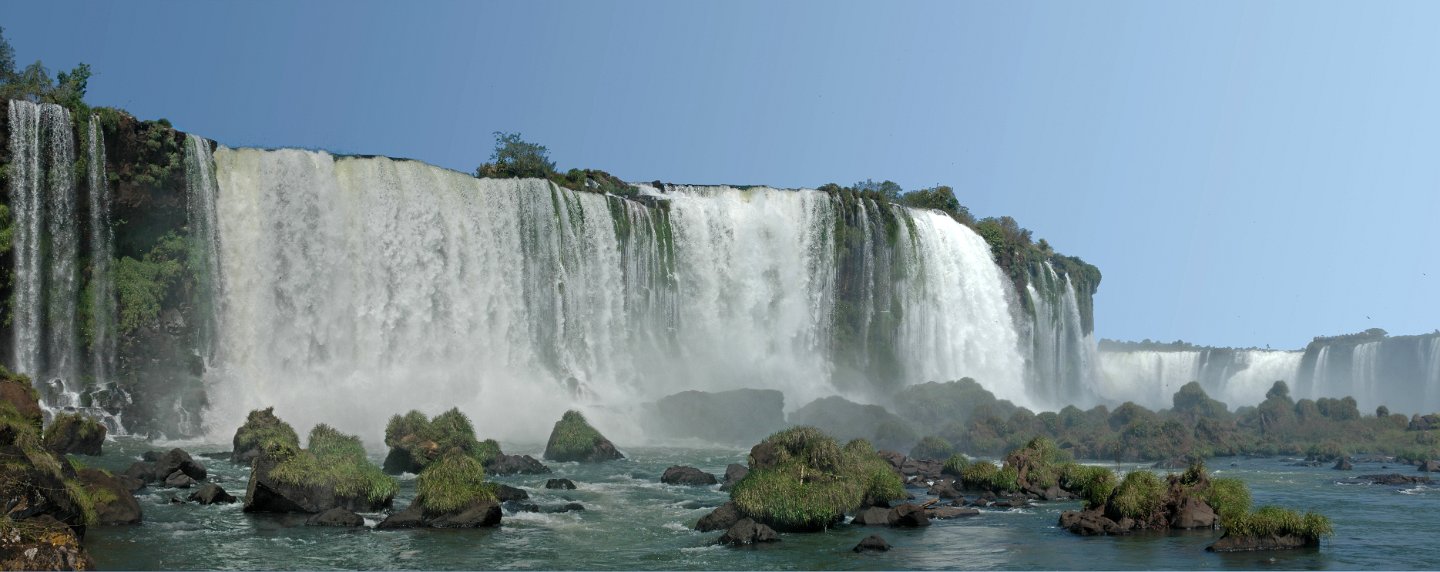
(1063, 362)
(356, 288)
(102, 251)
(1235, 377)
(201, 217)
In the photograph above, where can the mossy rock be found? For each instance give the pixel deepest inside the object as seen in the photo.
(573, 439)
(415, 441)
(332, 472)
(17, 391)
(72, 433)
(41, 486)
(261, 426)
(451, 492)
(800, 479)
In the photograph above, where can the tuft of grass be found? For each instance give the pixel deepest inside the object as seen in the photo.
(452, 482)
(955, 465)
(573, 437)
(933, 447)
(1042, 460)
(66, 423)
(336, 460)
(401, 426)
(428, 439)
(1093, 484)
(814, 481)
(1278, 521)
(1229, 497)
(262, 426)
(1139, 495)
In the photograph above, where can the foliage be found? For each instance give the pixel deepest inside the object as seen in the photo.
(888, 190)
(428, 439)
(955, 465)
(811, 482)
(939, 197)
(143, 285)
(451, 483)
(261, 427)
(1040, 462)
(1093, 484)
(516, 158)
(34, 84)
(1229, 497)
(335, 460)
(66, 424)
(573, 437)
(932, 447)
(1278, 521)
(985, 476)
(1139, 495)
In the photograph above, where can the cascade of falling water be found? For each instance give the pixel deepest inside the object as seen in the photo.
(102, 251)
(201, 190)
(26, 202)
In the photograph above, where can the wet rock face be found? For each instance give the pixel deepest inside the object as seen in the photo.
(747, 532)
(264, 493)
(480, 514)
(211, 493)
(689, 476)
(1230, 543)
(723, 517)
(515, 465)
(336, 517)
(117, 505)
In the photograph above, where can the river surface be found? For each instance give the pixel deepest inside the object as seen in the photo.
(632, 521)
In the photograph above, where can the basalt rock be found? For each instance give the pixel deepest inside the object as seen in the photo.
(75, 434)
(113, 502)
(949, 512)
(689, 476)
(723, 517)
(336, 517)
(211, 493)
(43, 543)
(503, 464)
(872, 543)
(479, 514)
(573, 439)
(560, 484)
(1343, 464)
(747, 532)
(733, 473)
(179, 480)
(265, 493)
(908, 516)
(872, 517)
(1231, 543)
(506, 493)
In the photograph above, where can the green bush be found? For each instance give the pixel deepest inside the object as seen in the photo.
(425, 439)
(1229, 497)
(1139, 495)
(60, 427)
(453, 482)
(143, 285)
(811, 482)
(335, 460)
(262, 426)
(1093, 484)
(1278, 521)
(572, 438)
(1041, 460)
(932, 447)
(515, 157)
(955, 465)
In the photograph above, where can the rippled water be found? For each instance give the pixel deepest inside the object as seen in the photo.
(634, 522)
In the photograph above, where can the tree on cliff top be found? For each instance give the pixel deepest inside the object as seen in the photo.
(34, 84)
(515, 157)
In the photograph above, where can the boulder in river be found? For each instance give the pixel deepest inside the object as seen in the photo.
(723, 517)
(1343, 464)
(689, 476)
(1231, 543)
(573, 439)
(747, 532)
(733, 473)
(336, 517)
(908, 516)
(502, 464)
(73, 433)
(560, 484)
(261, 425)
(506, 493)
(211, 493)
(284, 479)
(179, 480)
(450, 493)
(873, 516)
(114, 503)
(1430, 467)
(872, 543)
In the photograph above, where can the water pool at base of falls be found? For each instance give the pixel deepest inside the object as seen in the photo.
(632, 521)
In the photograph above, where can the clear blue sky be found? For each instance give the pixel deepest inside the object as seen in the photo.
(1244, 173)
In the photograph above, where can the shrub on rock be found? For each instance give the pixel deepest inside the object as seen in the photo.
(573, 439)
(49, 507)
(933, 447)
(800, 479)
(415, 441)
(450, 493)
(261, 426)
(1273, 528)
(332, 472)
(75, 433)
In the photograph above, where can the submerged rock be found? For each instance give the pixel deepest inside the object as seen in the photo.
(1231, 543)
(476, 515)
(506, 493)
(336, 517)
(573, 439)
(1343, 464)
(872, 516)
(689, 476)
(746, 532)
(502, 464)
(949, 512)
(560, 484)
(872, 543)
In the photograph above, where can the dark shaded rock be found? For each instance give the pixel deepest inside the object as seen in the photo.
(506, 493)
(741, 416)
(1193, 513)
(764, 455)
(872, 543)
(178, 460)
(949, 512)
(140, 471)
(411, 517)
(516, 506)
(477, 515)
(567, 507)
(560, 484)
(1055, 493)
(1090, 523)
(1393, 479)
(43, 543)
(118, 506)
(1344, 464)
(908, 516)
(723, 517)
(264, 493)
(129, 483)
(211, 493)
(1229, 543)
(399, 461)
(336, 517)
(1430, 467)
(151, 456)
(733, 473)
(24, 399)
(503, 464)
(746, 532)
(573, 439)
(179, 480)
(688, 476)
(872, 517)
(945, 490)
(72, 433)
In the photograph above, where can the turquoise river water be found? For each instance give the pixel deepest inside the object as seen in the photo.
(633, 521)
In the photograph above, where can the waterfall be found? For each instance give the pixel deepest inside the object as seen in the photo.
(46, 243)
(355, 288)
(1236, 377)
(1062, 365)
(200, 197)
(102, 251)
(1400, 372)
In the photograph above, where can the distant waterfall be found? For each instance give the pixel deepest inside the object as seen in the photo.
(102, 252)
(46, 243)
(1236, 377)
(355, 288)
(1399, 372)
(1063, 362)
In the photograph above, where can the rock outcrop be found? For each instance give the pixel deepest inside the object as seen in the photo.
(573, 439)
(688, 476)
